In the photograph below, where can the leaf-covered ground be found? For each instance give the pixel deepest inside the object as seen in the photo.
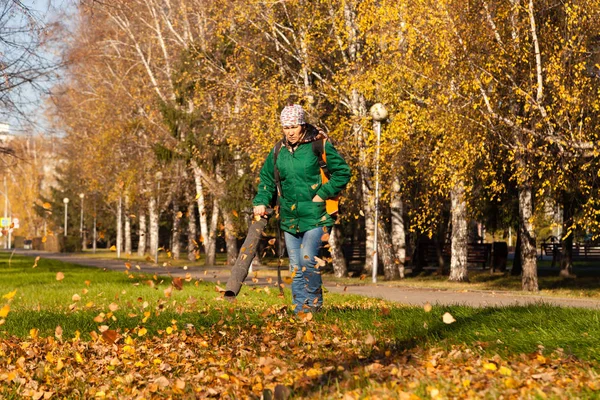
(73, 332)
(285, 356)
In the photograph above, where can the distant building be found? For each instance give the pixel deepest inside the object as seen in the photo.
(5, 136)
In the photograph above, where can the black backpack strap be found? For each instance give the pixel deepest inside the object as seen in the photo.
(280, 237)
(276, 170)
(318, 147)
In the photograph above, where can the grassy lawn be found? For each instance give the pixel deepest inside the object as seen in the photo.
(78, 332)
(586, 284)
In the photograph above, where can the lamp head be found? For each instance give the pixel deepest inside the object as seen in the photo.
(378, 112)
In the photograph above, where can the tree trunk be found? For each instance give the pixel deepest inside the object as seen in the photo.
(192, 232)
(127, 227)
(94, 229)
(119, 244)
(230, 238)
(385, 253)
(201, 206)
(458, 252)
(335, 249)
(369, 214)
(229, 227)
(528, 254)
(359, 109)
(517, 267)
(176, 233)
(142, 234)
(83, 229)
(419, 255)
(439, 242)
(566, 261)
(398, 229)
(210, 242)
(153, 216)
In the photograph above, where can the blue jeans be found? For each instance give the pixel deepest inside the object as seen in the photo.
(307, 292)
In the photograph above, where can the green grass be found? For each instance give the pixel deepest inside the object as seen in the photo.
(585, 284)
(43, 303)
(269, 259)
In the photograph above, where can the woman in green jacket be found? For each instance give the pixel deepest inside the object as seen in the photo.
(304, 218)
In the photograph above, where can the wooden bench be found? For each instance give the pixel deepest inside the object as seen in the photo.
(477, 253)
(581, 251)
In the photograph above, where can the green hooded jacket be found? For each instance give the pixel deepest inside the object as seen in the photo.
(301, 180)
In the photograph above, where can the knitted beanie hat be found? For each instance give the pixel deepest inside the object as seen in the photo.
(292, 115)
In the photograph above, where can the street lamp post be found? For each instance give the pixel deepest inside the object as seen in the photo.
(158, 178)
(95, 231)
(66, 201)
(379, 114)
(6, 243)
(7, 216)
(81, 196)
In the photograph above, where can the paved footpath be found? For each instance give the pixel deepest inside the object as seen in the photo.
(403, 295)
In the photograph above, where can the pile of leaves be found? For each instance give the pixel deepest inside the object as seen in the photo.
(284, 357)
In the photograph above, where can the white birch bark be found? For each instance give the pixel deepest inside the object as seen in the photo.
(201, 204)
(192, 231)
(142, 234)
(386, 254)
(153, 216)
(528, 250)
(211, 241)
(359, 109)
(335, 248)
(176, 233)
(398, 228)
(119, 244)
(229, 229)
(458, 252)
(230, 238)
(127, 226)
(352, 49)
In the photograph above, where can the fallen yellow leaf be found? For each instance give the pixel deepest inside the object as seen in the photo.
(448, 318)
(309, 337)
(370, 340)
(4, 311)
(490, 366)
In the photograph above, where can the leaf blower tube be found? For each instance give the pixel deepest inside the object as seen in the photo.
(239, 272)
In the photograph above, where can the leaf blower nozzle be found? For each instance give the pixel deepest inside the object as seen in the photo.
(239, 271)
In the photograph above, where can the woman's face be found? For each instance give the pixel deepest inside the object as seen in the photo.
(293, 134)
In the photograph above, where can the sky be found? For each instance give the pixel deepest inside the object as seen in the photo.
(33, 99)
